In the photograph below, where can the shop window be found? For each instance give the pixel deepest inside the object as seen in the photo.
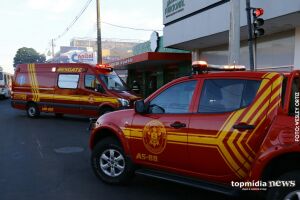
(68, 81)
(227, 95)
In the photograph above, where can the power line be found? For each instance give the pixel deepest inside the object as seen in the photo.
(127, 27)
(75, 20)
(107, 23)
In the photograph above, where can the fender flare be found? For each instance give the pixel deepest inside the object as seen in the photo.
(113, 129)
(263, 161)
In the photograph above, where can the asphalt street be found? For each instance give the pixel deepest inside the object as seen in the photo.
(48, 159)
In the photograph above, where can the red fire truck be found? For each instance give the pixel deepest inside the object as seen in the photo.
(67, 88)
(222, 131)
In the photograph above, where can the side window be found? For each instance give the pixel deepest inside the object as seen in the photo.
(68, 81)
(176, 99)
(295, 89)
(90, 82)
(226, 95)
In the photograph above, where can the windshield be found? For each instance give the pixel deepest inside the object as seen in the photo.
(113, 82)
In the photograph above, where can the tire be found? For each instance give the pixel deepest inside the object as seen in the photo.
(105, 110)
(32, 110)
(110, 164)
(286, 193)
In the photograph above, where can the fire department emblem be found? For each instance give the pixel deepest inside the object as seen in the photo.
(91, 99)
(155, 137)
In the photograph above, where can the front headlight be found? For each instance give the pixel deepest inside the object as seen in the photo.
(124, 102)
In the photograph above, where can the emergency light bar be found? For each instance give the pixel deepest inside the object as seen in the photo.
(200, 67)
(105, 67)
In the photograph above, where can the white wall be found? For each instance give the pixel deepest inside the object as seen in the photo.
(297, 49)
(216, 20)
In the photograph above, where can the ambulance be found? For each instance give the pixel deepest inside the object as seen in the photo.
(69, 88)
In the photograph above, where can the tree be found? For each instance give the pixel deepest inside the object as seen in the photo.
(26, 55)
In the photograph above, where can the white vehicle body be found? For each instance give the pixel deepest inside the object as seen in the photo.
(5, 84)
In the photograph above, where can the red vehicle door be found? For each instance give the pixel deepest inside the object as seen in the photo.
(231, 122)
(160, 136)
(90, 96)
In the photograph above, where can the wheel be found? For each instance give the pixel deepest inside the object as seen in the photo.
(33, 110)
(286, 193)
(105, 110)
(109, 162)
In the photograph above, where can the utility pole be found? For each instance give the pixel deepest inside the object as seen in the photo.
(99, 45)
(250, 36)
(234, 33)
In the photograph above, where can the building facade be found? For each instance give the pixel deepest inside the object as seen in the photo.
(112, 49)
(152, 65)
(203, 28)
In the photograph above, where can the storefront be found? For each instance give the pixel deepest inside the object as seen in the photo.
(153, 66)
(202, 28)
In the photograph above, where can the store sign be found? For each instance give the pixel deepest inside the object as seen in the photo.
(79, 57)
(154, 41)
(86, 57)
(122, 62)
(173, 7)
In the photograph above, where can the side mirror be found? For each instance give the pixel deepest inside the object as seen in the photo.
(140, 107)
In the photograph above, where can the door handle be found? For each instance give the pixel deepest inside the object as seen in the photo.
(178, 125)
(243, 127)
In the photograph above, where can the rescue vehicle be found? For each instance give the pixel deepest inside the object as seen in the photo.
(216, 131)
(5, 84)
(69, 88)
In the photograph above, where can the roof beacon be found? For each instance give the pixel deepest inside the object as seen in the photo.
(105, 67)
(201, 67)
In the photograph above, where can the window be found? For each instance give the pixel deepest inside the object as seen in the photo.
(1, 76)
(283, 91)
(295, 89)
(226, 95)
(90, 81)
(68, 81)
(175, 99)
(113, 82)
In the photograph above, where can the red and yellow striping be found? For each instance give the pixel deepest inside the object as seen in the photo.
(234, 147)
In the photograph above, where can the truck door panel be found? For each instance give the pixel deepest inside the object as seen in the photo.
(160, 137)
(231, 124)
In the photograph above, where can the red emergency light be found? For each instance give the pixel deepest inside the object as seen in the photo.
(105, 67)
(200, 67)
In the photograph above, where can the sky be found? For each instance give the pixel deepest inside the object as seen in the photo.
(33, 23)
